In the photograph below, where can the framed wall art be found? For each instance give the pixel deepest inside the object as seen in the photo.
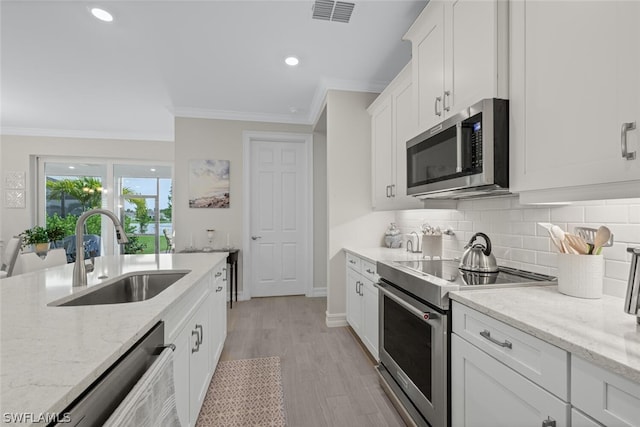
(209, 183)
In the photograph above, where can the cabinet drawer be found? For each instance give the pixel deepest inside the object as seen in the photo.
(368, 270)
(485, 392)
(607, 397)
(354, 262)
(541, 362)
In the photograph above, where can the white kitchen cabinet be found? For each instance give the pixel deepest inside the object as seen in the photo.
(607, 397)
(578, 419)
(393, 123)
(486, 392)
(459, 50)
(354, 301)
(218, 313)
(199, 361)
(574, 82)
(196, 325)
(362, 302)
(503, 376)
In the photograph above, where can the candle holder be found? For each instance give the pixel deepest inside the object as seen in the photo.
(209, 248)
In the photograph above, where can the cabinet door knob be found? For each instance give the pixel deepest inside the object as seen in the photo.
(370, 271)
(435, 106)
(219, 289)
(218, 274)
(626, 127)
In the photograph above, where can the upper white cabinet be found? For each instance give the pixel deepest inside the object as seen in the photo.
(575, 83)
(393, 122)
(460, 53)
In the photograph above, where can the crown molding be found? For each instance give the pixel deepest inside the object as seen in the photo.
(319, 98)
(70, 133)
(203, 113)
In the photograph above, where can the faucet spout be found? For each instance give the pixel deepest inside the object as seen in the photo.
(79, 269)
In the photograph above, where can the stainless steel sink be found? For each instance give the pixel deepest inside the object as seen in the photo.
(132, 287)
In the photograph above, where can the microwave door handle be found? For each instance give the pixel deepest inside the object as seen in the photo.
(459, 146)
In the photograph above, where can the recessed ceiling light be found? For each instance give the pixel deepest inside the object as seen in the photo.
(101, 14)
(291, 61)
(72, 167)
(152, 170)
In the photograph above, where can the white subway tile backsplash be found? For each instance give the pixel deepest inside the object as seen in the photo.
(567, 214)
(518, 241)
(606, 214)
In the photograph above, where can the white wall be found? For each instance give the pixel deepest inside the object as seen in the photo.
(519, 243)
(351, 222)
(220, 140)
(320, 211)
(17, 152)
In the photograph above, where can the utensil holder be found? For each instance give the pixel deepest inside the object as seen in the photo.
(432, 246)
(581, 275)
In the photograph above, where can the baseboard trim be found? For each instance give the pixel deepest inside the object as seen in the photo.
(336, 320)
(318, 292)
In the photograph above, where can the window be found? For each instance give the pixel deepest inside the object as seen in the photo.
(142, 200)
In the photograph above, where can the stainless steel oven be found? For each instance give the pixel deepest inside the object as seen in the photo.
(415, 330)
(413, 352)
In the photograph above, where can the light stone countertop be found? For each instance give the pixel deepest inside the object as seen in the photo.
(384, 254)
(49, 355)
(596, 330)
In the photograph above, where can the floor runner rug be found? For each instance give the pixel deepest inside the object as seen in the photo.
(245, 393)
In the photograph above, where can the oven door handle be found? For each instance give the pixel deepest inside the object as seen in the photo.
(426, 316)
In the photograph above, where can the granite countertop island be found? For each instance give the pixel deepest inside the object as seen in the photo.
(49, 355)
(596, 330)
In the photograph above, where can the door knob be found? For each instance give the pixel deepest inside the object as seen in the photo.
(256, 237)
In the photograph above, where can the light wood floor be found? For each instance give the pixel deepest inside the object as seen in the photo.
(327, 378)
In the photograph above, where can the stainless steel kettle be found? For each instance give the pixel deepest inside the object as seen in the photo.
(478, 257)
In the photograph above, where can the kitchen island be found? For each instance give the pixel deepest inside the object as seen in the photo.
(50, 354)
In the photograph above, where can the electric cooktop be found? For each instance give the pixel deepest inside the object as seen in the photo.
(449, 271)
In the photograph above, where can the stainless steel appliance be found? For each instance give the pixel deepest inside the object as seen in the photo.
(99, 401)
(415, 329)
(632, 300)
(467, 155)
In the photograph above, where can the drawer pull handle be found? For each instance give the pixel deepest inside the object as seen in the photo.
(219, 289)
(486, 334)
(218, 274)
(370, 271)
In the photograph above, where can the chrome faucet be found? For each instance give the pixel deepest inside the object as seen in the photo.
(79, 269)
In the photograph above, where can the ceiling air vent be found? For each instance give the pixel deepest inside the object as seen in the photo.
(329, 10)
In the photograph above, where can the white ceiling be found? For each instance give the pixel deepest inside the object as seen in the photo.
(64, 73)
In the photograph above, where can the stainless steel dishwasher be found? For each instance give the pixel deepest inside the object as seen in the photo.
(101, 399)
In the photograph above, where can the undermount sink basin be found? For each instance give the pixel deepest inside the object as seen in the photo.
(132, 287)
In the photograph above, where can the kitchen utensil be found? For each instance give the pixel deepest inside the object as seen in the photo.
(558, 234)
(577, 243)
(589, 235)
(547, 226)
(478, 257)
(602, 237)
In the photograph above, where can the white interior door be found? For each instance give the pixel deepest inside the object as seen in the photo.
(279, 218)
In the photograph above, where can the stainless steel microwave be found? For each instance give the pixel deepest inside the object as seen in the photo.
(467, 155)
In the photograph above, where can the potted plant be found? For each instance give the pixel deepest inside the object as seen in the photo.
(40, 237)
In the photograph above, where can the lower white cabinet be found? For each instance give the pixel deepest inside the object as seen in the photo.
(605, 396)
(502, 376)
(578, 419)
(485, 392)
(218, 313)
(362, 302)
(196, 325)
